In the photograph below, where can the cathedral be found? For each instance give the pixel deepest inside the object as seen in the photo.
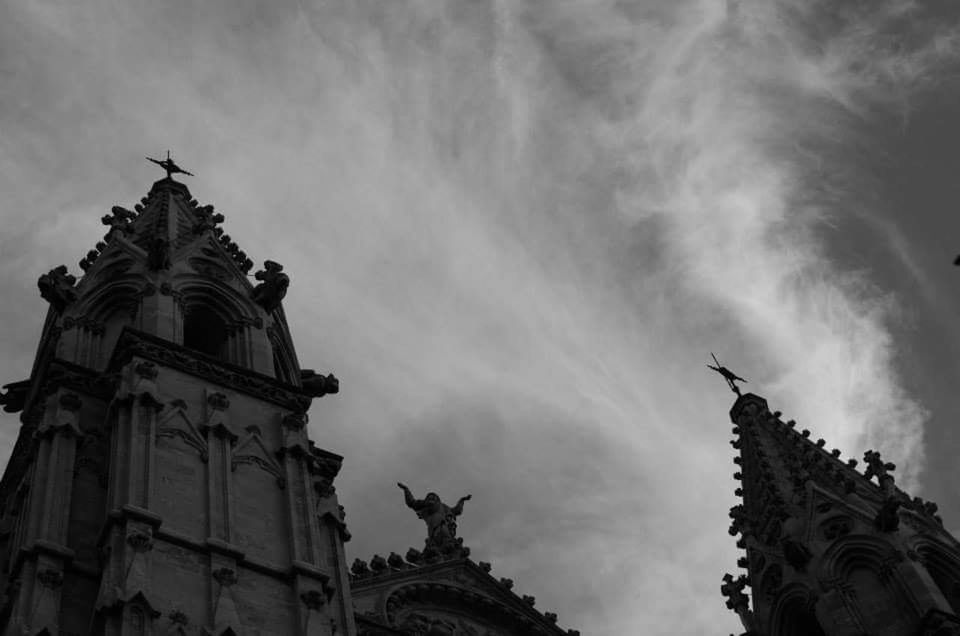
(163, 480)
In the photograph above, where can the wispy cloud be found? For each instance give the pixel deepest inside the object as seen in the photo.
(515, 230)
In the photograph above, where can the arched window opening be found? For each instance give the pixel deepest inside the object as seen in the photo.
(798, 619)
(945, 575)
(204, 331)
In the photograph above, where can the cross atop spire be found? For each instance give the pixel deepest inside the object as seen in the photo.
(168, 165)
(728, 375)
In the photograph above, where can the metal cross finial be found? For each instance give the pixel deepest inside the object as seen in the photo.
(728, 375)
(168, 165)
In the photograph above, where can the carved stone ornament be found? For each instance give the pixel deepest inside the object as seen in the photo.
(147, 370)
(218, 401)
(314, 600)
(207, 219)
(15, 396)
(178, 618)
(270, 292)
(50, 579)
(140, 541)
(57, 288)
(119, 220)
(836, 527)
(360, 569)
(316, 385)
(225, 577)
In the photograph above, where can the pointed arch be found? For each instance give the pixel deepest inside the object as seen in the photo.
(943, 564)
(216, 319)
(794, 613)
(92, 325)
(868, 566)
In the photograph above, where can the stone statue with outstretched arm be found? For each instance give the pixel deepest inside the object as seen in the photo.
(440, 518)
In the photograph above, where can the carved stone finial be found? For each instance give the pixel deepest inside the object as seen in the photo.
(732, 589)
(378, 564)
(207, 219)
(876, 466)
(120, 220)
(360, 569)
(57, 288)
(273, 287)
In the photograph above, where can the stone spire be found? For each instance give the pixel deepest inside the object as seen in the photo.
(816, 530)
(164, 480)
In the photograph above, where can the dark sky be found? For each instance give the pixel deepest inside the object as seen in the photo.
(515, 231)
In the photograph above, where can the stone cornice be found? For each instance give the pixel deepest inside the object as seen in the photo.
(429, 576)
(137, 343)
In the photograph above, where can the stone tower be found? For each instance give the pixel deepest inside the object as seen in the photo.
(163, 481)
(831, 551)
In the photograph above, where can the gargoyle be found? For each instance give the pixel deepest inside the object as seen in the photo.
(56, 287)
(316, 385)
(271, 291)
(15, 397)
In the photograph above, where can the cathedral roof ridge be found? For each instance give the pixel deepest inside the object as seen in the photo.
(395, 569)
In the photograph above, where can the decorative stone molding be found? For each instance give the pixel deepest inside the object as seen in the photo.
(136, 343)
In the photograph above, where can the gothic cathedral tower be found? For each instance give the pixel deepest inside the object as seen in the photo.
(829, 551)
(163, 481)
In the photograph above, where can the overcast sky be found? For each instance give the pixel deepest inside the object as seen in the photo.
(515, 230)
